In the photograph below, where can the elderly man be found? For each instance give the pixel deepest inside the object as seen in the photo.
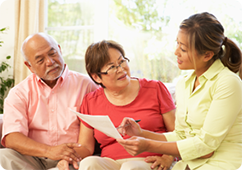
(38, 126)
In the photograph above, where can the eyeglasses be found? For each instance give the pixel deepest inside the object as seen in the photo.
(113, 69)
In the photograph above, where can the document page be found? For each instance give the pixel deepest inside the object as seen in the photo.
(101, 123)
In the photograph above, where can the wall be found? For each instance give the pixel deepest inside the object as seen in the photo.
(7, 20)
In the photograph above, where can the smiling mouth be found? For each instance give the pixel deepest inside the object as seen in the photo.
(122, 77)
(179, 61)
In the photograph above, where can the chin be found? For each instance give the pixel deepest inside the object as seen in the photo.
(183, 67)
(52, 77)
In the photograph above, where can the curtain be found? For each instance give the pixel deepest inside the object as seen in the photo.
(29, 19)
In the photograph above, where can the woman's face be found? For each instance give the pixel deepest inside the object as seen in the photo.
(182, 52)
(118, 73)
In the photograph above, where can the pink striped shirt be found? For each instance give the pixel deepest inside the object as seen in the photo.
(42, 113)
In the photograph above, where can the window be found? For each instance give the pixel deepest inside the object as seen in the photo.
(147, 29)
(75, 24)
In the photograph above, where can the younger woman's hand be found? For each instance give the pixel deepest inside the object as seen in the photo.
(134, 145)
(129, 127)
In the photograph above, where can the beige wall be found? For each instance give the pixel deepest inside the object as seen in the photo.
(7, 20)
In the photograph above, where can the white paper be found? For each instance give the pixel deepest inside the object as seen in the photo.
(101, 123)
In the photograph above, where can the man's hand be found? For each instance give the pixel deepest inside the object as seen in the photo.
(64, 152)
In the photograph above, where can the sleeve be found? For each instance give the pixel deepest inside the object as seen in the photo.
(92, 86)
(222, 113)
(176, 135)
(84, 110)
(172, 136)
(87, 86)
(165, 99)
(15, 116)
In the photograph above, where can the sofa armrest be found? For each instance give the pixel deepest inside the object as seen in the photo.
(1, 125)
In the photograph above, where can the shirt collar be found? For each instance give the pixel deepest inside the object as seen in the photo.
(65, 73)
(212, 71)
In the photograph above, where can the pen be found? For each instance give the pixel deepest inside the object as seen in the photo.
(128, 124)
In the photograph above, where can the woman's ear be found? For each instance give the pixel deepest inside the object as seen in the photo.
(96, 78)
(208, 55)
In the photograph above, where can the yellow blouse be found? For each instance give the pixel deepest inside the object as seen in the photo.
(209, 119)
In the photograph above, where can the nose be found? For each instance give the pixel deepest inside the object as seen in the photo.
(49, 61)
(119, 66)
(177, 50)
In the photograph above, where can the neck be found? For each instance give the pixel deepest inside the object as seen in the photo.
(118, 93)
(203, 69)
(123, 96)
(51, 83)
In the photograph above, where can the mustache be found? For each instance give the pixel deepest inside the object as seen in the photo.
(52, 67)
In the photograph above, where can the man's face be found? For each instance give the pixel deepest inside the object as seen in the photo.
(44, 58)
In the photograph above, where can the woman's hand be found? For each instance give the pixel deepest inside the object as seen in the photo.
(65, 151)
(134, 145)
(129, 127)
(162, 162)
(64, 165)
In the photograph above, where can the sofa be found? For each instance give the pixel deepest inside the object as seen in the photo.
(1, 125)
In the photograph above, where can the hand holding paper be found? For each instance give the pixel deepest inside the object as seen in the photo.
(101, 123)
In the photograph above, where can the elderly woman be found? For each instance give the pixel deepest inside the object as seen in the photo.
(120, 96)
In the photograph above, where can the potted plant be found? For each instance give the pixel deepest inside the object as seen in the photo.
(5, 82)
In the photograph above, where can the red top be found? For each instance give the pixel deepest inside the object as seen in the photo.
(152, 101)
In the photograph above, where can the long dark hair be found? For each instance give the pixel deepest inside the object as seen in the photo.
(205, 33)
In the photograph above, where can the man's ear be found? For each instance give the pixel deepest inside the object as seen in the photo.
(208, 55)
(29, 66)
(60, 48)
(96, 78)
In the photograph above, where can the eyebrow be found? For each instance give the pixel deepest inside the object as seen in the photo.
(117, 60)
(38, 56)
(181, 43)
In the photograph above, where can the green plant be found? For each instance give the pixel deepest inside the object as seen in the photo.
(5, 83)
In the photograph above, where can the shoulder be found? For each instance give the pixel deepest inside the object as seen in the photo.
(94, 95)
(26, 84)
(147, 83)
(227, 74)
(78, 76)
(81, 79)
(22, 89)
(227, 79)
(156, 87)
